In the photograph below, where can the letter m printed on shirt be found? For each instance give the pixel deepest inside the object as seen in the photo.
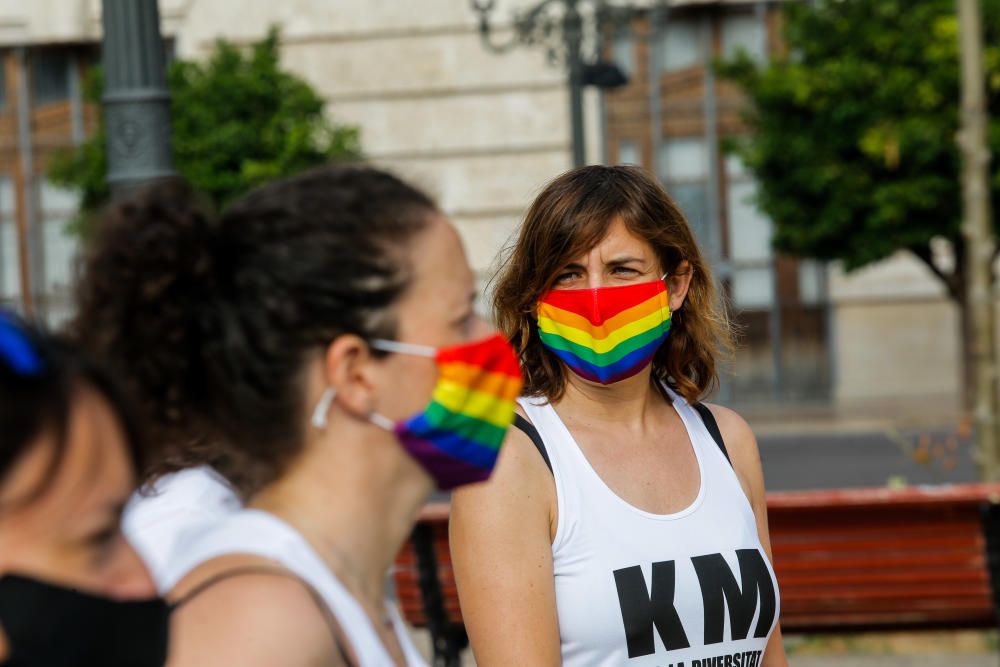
(720, 591)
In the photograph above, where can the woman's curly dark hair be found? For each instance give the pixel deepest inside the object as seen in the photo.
(210, 319)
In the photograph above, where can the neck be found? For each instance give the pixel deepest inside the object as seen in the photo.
(354, 494)
(625, 402)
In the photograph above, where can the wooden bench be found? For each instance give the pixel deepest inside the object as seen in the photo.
(846, 561)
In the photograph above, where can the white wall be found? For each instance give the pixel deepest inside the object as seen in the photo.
(895, 332)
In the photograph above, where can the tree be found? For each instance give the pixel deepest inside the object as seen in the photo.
(238, 119)
(852, 134)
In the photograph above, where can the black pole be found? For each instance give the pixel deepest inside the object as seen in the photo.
(136, 99)
(573, 31)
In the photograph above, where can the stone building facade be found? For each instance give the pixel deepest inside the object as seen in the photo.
(483, 133)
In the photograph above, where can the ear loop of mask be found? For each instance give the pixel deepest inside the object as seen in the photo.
(322, 410)
(404, 348)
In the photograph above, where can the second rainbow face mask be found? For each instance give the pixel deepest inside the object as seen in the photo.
(605, 334)
(457, 437)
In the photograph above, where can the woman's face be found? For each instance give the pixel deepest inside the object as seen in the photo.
(71, 533)
(437, 310)
(621, 258)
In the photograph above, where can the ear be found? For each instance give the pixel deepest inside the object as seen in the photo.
(348, 369)
(678, 284)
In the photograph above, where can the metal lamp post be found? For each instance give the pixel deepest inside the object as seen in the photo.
(561, 27)
(136, 99)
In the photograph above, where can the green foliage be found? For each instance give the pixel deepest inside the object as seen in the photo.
(852, 134)
(238, 119)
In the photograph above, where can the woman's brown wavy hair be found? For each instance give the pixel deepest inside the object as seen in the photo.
(571, 216)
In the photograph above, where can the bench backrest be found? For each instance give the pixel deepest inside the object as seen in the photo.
(846, 560)
(883, 559)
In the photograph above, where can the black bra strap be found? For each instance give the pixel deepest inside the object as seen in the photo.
(529, 430)
(713, 428)
(324, 609)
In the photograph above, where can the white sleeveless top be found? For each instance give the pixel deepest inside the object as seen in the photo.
(154, 520)
(641, 589)
(250, 531)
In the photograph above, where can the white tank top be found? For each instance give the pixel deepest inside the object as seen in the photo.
(154, 520)
(250, 531)
(640, 589)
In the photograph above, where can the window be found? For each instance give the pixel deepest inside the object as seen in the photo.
(750, 233)
(10, 277)
(59, 245)
(744, 32)
(624, 52)
(683, 159)
(692, 198)
(50, 69)
(683, 167)
(628, 152)
(753, 288)
(681, 44)
(750, 230)
(812, 282)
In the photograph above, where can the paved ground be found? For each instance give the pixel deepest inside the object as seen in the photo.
(865, 458)
(868, 444)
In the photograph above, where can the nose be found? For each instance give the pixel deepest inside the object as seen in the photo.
(480, 329)
(595, 279)
(128, 578)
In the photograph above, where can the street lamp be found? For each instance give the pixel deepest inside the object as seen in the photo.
(136, 99)
(562, 28)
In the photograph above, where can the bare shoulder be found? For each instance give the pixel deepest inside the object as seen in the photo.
(252, 618)
(734, 428)
(520, 488)
(742, 447)
(520, 466)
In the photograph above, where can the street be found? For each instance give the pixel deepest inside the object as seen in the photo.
(864, 459)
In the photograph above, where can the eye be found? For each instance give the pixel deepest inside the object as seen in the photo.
(567, 276)
(624, 271)
(464, 323)
(101, 541)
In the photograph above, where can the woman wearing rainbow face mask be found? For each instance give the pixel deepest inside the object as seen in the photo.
(317, 338)
(626, 521)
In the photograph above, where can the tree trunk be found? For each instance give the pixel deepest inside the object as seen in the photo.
(954, 282)
(966, 336)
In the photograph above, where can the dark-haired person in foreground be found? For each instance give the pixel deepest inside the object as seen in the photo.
(317, 344)
(72, 591)
(626, 523)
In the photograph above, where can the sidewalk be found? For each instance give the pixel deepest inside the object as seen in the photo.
(844, 418)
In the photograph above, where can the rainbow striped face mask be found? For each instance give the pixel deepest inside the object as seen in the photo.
(605, 334)
(457, 438)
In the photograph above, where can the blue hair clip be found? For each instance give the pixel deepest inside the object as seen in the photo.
(16, 349)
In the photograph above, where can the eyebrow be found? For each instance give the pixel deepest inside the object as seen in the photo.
(618, 261)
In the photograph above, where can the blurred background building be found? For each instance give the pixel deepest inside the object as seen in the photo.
(484, 132)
